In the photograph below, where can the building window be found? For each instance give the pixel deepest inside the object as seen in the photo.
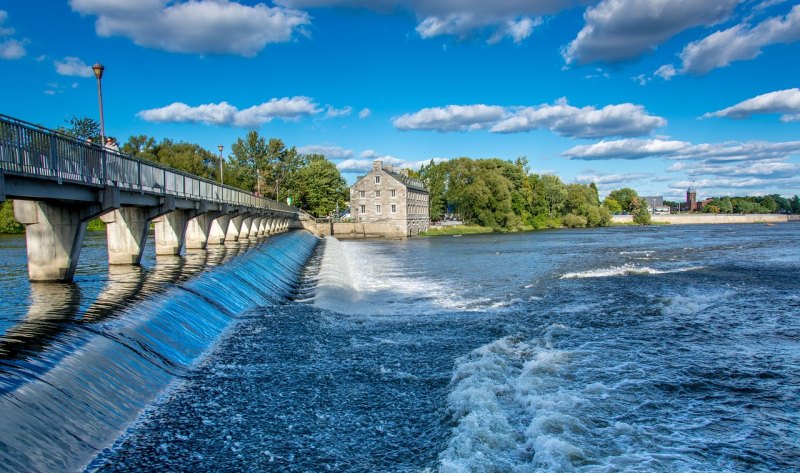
(377, 179)
(362, 194)
(394, 208)
(377, 209)
(363, 209)
(394, 193)
(377, 194)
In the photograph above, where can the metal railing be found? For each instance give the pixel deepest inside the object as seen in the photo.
(33, 151)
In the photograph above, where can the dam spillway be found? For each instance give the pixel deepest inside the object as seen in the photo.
(74, 374)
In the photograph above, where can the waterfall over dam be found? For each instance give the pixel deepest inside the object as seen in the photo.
(73, 377)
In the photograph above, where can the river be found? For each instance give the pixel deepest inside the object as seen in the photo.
(617, 349)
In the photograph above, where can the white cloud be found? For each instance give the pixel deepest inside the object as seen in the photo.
(739, 43)
(771, 169)
(620, 30)
(786, 102)
(196, 26)
(612, 179)
(451, 118)
(366, 157)
(333, 112)
(10, 48)
(710, 152)
(626, 149)
(330, 152)
(514, 19)
(3, 18)
(364, 113)
(588, 122)
(73, 66)
(666, 72)
(224, 113)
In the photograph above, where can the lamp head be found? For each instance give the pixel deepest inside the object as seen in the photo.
(98, 70)
(220, 148)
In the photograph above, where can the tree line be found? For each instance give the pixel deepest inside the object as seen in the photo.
(506, 196)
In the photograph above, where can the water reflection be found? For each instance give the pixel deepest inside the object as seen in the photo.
(52, 307)
(58, 307)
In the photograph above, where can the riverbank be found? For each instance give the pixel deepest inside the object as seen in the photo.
(695, 219)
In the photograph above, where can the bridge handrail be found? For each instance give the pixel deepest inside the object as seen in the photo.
(32, 150)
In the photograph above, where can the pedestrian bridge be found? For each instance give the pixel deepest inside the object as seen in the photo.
(59, 183)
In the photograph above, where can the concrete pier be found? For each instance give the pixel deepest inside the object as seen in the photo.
(54, 234)
(126, 234)
(198, 230)
(170, 231)
(234, 227)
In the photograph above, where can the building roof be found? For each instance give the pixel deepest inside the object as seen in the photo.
(407, 181)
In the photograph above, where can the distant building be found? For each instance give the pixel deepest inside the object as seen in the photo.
(691, 199)
(387, 197)
(655, 204)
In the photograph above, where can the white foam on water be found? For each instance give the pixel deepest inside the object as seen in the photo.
(360, 279)
(510, 412)
(625, 270)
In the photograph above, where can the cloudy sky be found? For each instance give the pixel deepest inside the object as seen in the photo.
(651, 94)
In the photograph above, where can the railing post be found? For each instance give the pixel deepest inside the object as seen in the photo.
(54, 157)
(165, 180)
(104, 165)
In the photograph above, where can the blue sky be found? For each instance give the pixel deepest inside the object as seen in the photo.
(650, 94)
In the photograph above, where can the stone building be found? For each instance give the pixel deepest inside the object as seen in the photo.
(391, 201)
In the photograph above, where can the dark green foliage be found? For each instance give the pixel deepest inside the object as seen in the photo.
(82, 128)
(188, 157)
(751, 205)
(9, 224)
(641, 215)
(502, 195)
(318, 187)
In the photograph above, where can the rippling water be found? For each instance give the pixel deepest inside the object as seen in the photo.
(620, 349)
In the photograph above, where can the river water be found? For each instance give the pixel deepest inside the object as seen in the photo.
(618, 349)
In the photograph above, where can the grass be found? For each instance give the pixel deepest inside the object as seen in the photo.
(456, 230)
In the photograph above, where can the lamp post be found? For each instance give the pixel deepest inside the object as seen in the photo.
(221, 177)
(98, 72)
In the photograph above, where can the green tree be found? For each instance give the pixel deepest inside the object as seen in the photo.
(434, 177)
(250, 160)
(82, 128)
(641, 215)
(9, 224)
(551, 192)
(318, 187)
(628, 198)
(612, 205)
(795, 203)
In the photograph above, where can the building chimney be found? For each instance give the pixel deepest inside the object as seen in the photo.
(404, 172)
(376, 165)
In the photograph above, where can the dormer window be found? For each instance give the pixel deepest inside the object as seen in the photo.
(377, 179)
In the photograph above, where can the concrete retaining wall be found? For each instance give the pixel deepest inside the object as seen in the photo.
(686, 219)
(355, 230)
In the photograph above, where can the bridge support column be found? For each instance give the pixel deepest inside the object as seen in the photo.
(126, 233)
(54, 236)
(234, 228)
(247, 228)
(219, 229)
(254, 227)
(198, 230)
(262, 226)
(170, 231)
